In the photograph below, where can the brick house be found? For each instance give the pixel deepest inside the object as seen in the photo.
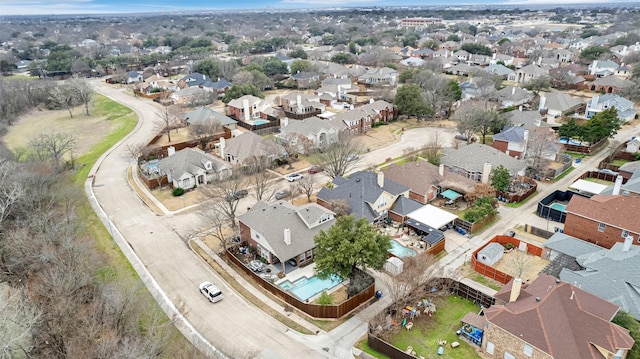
(248, 108)
(280, 232)
(603, 219)
(361, 119)
(300, 106)
(550, 319)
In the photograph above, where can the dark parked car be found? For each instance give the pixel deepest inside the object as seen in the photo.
(316, 169)
(282, 194)
(236, 195)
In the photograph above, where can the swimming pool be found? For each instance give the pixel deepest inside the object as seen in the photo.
(558, 207)
(151, 168)
(568, 141)
(401, 251)
(305, 288)
(259, 122)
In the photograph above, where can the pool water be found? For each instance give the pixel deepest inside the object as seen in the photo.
(151, 168)
(259, 122)
(305, 288)
(568, 141)
(559, 207)
(401, 251)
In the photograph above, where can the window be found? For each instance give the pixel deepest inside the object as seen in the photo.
(528, 350)
(601, 227)
(490, 348)
(309, 254)
(301, 258)
(508, 355)
(625, 233)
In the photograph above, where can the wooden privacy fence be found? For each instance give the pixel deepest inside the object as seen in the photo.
(490, 272)
(334, 311)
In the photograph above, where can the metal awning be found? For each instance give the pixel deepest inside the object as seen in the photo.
(451, 194)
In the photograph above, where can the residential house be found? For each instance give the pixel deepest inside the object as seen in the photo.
(558, 104)
(194, 79)
(361, 119)
(499, 70)
(513, 96)
(305, 80)
(476, 161)
(248, 148)
(527, 73)
(412, 62)
(477, 87)
(134, 76)
(512, 141)
(633, 145)
(248, 108)
(462, 69)
(280, 232)
(22, 65)
(461, 56)
(426, 181)
(318, 133)
(190, 167)
(366, 194)
(193, 96)
(601, 272)
(599, 68)
(300, 106)
(422, 53)
(203, 115)
(625, 109)
(548, 318)
(529, 120)
(603, 219)
(157, 81)
(221, 86)
(609, 84)
(564, 55)
(381, 76)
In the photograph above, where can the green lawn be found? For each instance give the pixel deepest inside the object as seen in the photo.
(569, 170)
(518, 204)
(441, 326)
(618, 162)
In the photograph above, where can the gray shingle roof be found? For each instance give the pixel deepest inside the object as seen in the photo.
(203, 114)
(189, 160)
(270, 220)
(473, 157)
(512, 134)
(611, 275)
(571, 246)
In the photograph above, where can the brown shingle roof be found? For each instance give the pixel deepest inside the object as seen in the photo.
(618, 211)
(561, 320)
(420, 176)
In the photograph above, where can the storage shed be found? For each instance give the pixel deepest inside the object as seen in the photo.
(394, 265)
(491, 254)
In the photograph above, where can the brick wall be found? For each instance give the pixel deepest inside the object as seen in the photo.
(500, 146)
(507, 342)
(587, 230)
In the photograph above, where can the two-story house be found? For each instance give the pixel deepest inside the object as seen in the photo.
(248, 108)
(310, 134)
(551, 319)
(476, 161)
(603, 219)
(626, 112)
(280, 232)
(367, 194)
(300, 106)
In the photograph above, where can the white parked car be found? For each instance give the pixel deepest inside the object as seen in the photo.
(211, 292)
(294, 177)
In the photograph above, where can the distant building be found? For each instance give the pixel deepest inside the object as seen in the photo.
(420, 21)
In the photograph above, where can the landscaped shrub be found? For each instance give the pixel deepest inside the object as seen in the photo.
(178, 191)
(325, 298)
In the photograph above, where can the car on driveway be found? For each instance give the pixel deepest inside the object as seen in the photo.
(282, 194)
(353, 157)
(211, 292)
(316, 169)
(294, 177)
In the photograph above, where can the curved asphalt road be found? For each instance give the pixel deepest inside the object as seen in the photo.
(234, 326)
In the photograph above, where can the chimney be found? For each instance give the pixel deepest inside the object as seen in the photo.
(515, 289)
(593, 67)
(245, 106)
(171, 150)
(441, 170)
(520, 108)
(221, 146)
(627, 243)
(287, 236)
(486, 171)
(298, 100)
(513, 90)
(572, 294)
(285, 122)
(380, 179)
(543, 102)
(617, 185)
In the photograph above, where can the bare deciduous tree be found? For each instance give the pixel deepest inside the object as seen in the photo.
(135, 150)
(340, 207)
(432, 149)
(83, 92)
(541, 145)
(306, 185)
(260, 178)
(18, 319)
(339, 158)
(63, 97)
(167, 119)
(216, 220)
(222, 194)
(205, 132)
(52, 146)
(417, 271)
(519, 262)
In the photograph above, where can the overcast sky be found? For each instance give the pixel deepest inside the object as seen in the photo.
(42, 7)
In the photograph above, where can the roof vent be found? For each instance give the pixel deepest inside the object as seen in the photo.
(557, 281)
(537, 299)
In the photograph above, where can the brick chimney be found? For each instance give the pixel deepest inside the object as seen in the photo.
(515, 289)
